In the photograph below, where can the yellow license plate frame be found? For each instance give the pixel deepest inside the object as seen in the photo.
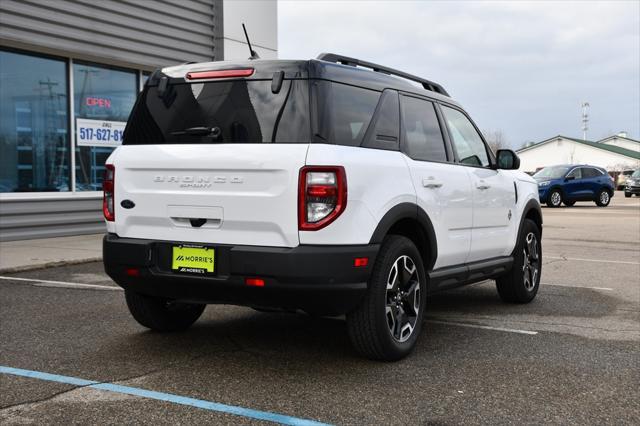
(193, 259)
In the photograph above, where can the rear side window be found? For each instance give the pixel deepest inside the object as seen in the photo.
(590, 172)
(422, 135)
(240, 111)
(344, 112)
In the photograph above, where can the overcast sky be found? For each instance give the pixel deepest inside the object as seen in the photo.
(520, 67)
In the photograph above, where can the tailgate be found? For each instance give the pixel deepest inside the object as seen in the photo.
(241, 194)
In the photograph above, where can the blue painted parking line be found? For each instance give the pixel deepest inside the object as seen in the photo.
(162, 396)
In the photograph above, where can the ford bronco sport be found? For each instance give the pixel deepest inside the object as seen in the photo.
(332, 186)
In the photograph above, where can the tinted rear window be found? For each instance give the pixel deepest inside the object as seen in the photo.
(242, 111)
(344, 112)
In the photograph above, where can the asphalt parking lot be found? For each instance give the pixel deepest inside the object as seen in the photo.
(571, 356)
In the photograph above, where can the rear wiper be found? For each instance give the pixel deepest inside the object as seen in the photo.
(213, 132)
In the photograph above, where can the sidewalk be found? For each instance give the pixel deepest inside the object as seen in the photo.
(34, 254)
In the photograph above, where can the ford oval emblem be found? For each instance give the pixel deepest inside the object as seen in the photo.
(127, 204)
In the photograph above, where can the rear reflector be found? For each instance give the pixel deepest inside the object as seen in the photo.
(201, 75)
(133, 272)
(359, 262)
(254, 282)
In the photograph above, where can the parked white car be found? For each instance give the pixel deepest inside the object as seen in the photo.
(332, 186)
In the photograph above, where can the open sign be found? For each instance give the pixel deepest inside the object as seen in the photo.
(99, 102)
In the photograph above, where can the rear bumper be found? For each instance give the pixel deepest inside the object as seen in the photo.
(320, 279)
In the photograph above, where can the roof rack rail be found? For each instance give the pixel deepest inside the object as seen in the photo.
(345, 60)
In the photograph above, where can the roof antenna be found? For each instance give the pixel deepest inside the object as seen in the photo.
(254, 54)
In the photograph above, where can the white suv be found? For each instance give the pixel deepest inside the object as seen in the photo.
(333, 186)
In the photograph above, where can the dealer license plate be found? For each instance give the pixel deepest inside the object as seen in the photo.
(193, 259)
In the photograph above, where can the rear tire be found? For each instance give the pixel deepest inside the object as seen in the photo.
(388, 322)
(627, 195)
(162, 314)
(603, 199)
(555, 198)
(520, 285)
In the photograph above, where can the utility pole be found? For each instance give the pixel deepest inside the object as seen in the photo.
(585, 119)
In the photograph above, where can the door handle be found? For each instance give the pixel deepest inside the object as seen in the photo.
(431, 183)
(482, 185)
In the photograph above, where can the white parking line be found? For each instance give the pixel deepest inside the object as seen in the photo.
(485, 327)
(622, 262)
(578, 286)
(61, 284)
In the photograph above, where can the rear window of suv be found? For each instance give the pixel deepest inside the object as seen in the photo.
(344, 112)
(239, 111)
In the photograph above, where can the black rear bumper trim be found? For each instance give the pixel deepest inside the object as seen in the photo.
(315, 278)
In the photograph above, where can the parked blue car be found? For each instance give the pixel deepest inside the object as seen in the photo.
(574, 182)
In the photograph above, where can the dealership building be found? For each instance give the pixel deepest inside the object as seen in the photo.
(71, 67)
(615, 153)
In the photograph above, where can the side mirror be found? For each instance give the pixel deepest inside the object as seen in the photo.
(568, 178)
(507, 160)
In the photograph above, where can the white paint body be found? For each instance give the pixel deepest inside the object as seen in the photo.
(249, 193)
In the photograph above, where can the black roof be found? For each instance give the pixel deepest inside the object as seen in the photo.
(356, 73)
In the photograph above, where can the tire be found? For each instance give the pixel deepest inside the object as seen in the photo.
(520, 285)
(555, 198)
(603, 198)
(387, 323)
(627, 195)
(569, 203)
(162, 314)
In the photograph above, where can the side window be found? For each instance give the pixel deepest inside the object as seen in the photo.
(465, 138)
(422, 135)
(576, 173)
(344, 112)
(591, 173)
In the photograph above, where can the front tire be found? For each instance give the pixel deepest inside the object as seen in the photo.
(555, 198)
(388, 322)
(627, 195)
(603, 199)
(521, 284)
(161, 314)
(569, 203)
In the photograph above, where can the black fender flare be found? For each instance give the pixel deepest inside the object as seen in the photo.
(409, 211)
(532, 204)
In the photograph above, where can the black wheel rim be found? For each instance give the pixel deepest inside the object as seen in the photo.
(402, 298)
(531, 263)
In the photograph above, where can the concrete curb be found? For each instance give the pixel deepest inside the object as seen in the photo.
(23, 268)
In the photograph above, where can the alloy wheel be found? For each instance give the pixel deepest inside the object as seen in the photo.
(604, 197)
(556, 198)
(402, 298)
(531, 264)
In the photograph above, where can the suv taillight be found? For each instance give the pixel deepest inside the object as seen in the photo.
(108, 197)
(322, 196)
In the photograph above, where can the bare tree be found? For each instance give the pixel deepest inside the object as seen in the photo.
(495, 139)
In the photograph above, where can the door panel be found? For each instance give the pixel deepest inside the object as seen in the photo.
(493, 190)
(493, 213)
(443, 189)
(444, 193)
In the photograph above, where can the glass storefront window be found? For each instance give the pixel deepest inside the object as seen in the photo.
(103, 98)
(34, 136)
